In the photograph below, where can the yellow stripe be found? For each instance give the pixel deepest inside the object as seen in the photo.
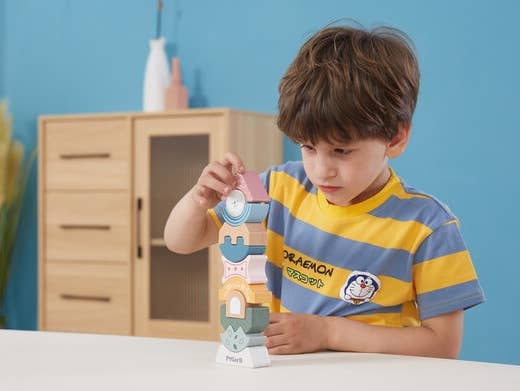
(391, 320)
(385, 233)
(392, 292)
(274, 305)
(404, 195)
(274, 248)
(215, 218)
(443, 272)
(381, 319)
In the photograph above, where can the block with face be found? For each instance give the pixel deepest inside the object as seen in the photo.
(251, 269)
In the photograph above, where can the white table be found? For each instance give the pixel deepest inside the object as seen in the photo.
(40, 361)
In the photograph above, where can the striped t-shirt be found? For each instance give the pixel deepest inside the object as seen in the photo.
(394, 259)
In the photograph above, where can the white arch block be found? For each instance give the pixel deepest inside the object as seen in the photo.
(251, 269)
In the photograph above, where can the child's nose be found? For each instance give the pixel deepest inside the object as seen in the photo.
(324, 168)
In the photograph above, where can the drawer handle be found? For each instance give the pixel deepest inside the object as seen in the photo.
(85, 226)
(139, 208)
(85, 156)
(66, 296)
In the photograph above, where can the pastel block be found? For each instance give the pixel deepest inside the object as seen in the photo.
(238, 340)
(253, 357)
(238, 252)
(251, 269)
(236, 243)
(252, 213)
(253, 234)
(254, 293)
(236, 305)
(252, 187)
(256, 320)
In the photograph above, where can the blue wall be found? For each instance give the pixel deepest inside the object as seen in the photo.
(2, 45)
(89, 56)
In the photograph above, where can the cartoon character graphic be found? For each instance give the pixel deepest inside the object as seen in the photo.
(360, 287)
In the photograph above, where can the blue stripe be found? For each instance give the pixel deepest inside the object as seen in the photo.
(442, 205)
(445, 240)
(274, 279)
(296, 171)
(335, 250)
(423, 210)
(299, 299)
(457, 297)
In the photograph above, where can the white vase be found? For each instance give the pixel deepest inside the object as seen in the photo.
(156, 77)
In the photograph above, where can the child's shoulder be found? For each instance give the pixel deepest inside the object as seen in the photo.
(287, 172)
(409, 203)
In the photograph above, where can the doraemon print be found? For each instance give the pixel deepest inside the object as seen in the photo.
(360, 287)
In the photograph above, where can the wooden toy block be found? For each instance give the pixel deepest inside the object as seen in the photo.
(238, 340)
(236, 305)
(256, 320)
(238, 211)
(254, 293)
(254, 234)
(253, 357)
(251, 269)
(236, 243)
(252, 187)
(238, 252)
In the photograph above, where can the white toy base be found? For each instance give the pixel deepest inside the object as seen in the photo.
(253, 357)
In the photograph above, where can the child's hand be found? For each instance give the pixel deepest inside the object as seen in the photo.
(217, 180)
(290, 333)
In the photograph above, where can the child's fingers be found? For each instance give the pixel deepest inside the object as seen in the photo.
(233, 162)
(274, 329)
(214, 183)
(202, 195)
(221, 173)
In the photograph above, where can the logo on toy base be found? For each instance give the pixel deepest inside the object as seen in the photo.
(359, 288)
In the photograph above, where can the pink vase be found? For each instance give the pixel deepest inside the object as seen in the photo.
(176, 94)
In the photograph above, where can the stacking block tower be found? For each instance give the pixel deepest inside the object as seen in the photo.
(242, 241)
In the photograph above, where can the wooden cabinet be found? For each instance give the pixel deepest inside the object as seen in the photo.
(106, 186)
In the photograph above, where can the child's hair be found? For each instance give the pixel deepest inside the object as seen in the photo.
(348, 83)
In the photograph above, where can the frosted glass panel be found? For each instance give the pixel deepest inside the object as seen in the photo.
(176, 164)
(178, 283)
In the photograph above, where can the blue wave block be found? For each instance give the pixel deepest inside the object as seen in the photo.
(239, 251)
(252, 213)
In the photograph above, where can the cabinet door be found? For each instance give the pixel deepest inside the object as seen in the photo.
(175, 295)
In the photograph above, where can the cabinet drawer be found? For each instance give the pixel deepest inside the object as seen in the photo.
(87, 227)
(85, 297)
(93, 154)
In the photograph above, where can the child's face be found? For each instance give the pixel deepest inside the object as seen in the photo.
(347, 174)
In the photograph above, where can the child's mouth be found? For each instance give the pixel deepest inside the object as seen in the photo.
(329, 189)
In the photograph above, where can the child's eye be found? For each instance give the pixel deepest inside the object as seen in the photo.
(307, 147)
(342, 151)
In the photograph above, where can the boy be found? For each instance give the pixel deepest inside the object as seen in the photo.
(357, 260)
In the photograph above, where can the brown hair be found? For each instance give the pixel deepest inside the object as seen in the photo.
(348, 83)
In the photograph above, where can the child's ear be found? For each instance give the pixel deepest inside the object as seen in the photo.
(397, 145)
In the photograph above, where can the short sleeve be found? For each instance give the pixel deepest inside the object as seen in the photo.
(444, 277)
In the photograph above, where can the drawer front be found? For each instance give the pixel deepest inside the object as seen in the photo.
(87, 226)
(85, 297)
(88, 154)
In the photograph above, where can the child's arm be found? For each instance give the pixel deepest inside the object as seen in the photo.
(189, 227)
(290, 333)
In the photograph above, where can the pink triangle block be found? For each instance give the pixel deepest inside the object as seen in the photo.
(250, 184)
